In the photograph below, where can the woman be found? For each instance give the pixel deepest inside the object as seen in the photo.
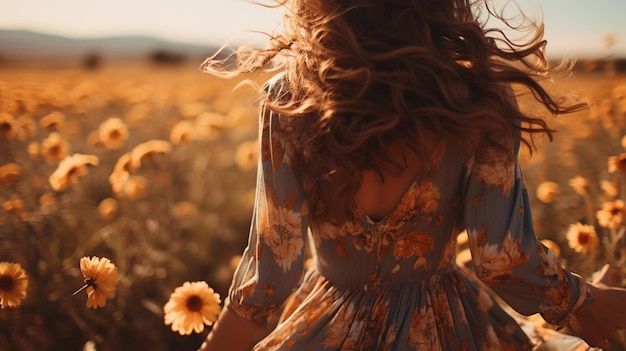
(391, 129)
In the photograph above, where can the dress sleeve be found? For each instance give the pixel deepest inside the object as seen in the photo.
(272, 264)
(507, 254)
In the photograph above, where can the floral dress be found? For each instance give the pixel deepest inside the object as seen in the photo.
(393, 284)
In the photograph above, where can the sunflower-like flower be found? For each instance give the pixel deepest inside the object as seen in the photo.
(547, 191)
(617, 163)
(182, 132)
(100, 280)
(144, 151)
(191, 306)
(52, 120)
(8, 126)
(9, 173)
(609, 187)
(69, 169)
(113, 133)
(210, 126)
(580, 185)
(583, 238)
(53, 148)
(108, 208)
(134, 188)
(612, 214)
(13, 284)
(246, 155)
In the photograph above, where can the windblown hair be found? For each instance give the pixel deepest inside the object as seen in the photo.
(363, 74)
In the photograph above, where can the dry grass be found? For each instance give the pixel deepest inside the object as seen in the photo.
(179, 210)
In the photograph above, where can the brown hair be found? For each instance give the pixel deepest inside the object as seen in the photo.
(366, 73)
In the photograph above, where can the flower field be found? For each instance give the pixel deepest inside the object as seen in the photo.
(125, 190)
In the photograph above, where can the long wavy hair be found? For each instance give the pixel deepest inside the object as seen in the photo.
(365, 74)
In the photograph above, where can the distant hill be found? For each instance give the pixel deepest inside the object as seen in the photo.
(20, 45)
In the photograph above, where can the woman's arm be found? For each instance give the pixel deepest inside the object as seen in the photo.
(232, 332)
(600, 320)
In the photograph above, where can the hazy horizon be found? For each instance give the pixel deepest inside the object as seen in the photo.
(574, 28)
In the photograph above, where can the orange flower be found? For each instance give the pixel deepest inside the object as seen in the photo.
(9, 173)
(135, 188)
(34, 150)
(100, 280)
(121, 172)
(113, 133)
(582, 238)
(54, 148)
(617, 163)
(210, 126)
(8, 126)
(52, 120)
(69, 169)
(246, 155)
(13, 284)
(191, 306)
(143, 151)
(181, 133)
(580, 185)
(93, 139)
(547, 192)
(108, 208)
(609, 187)
(612, 214)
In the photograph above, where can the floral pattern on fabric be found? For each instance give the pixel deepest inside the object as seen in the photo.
(393, 284)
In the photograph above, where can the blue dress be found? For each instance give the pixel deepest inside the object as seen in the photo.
(393, 284)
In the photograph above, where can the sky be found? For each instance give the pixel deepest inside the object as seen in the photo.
(574, 28)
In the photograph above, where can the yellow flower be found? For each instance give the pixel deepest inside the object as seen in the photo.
(13, 284)
(113, 133)
(612, 214)
(143, 151)
(135, 188)
(246, 155)
(108, 208)
(8, 126)
(547, 191)
(191, 306)
(53, 148)
(100, 279)
(582, 238)
(609, 188)
(210, 126)
(34, 149)
(70, 168)
(52, 120)
(580, 185)
(93, 139)
(121, 172)
(617, 163)
(9, 173)
(182, 133)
